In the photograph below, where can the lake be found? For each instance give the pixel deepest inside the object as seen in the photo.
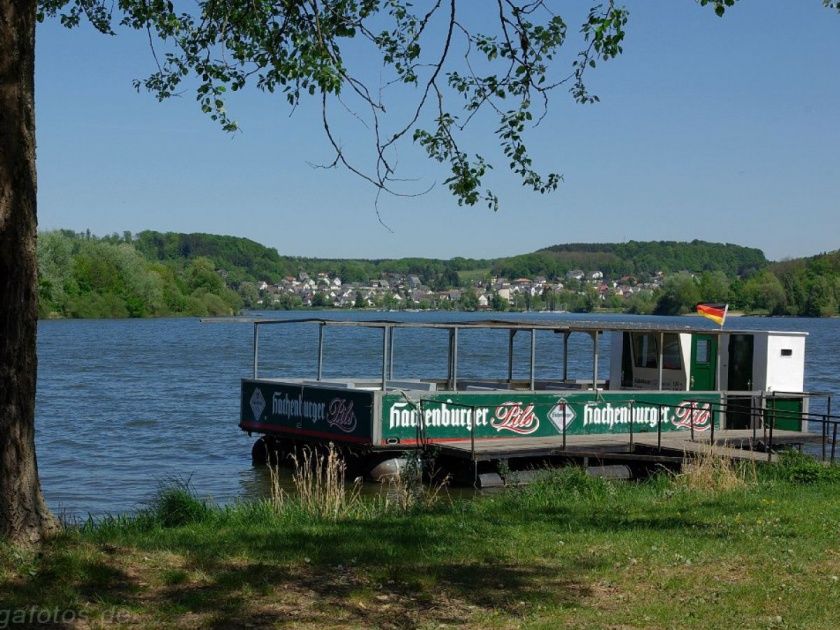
(126, 405)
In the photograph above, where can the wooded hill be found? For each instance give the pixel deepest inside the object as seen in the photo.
(244, 259)
(247, 260)
(636, 258)
(155, 274)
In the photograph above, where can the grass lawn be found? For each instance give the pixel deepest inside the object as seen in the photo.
(467, 277)
(568, 550)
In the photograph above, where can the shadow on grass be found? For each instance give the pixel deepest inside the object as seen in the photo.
(438, 567)
(259, 594)
(400, 572)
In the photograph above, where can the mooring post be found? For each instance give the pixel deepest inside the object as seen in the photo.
(661, 358)
(511, 335)
(256, 348)
(472, 436)
(564, 424)
(391, 353)
(693, 406)
(566, 356)
(419, 432)
(712, 420)
(449, 366)
(455, 359)
(384, 357)
(825, 424)
(533, 356)
(824, 431)
(763, 415)
(659, 429)
(320, 349)
(772, 424)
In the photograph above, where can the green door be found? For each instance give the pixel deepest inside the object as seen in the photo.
(785, 413)
(703, 362)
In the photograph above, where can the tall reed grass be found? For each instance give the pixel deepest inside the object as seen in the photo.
(710, 472)
(407, 490)
(321, 489)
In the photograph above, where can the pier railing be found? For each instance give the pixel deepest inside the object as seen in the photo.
(767, 418)
(762, 411)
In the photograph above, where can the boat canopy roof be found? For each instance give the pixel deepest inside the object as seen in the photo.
(558, 326)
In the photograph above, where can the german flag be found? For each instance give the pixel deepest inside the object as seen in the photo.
(715, 312)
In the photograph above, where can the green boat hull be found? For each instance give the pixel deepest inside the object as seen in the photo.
(389, 419)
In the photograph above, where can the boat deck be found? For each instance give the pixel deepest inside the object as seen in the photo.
(737, 445)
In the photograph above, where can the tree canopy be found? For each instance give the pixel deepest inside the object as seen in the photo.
(460, 65)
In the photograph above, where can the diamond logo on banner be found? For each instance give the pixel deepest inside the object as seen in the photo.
(561, 416)
(257, 403)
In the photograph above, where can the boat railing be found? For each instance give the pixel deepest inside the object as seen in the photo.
(768, 417)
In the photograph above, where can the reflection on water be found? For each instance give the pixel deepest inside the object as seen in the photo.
(126, 404)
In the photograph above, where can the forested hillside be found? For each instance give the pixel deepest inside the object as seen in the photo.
(155, 274)
(804, 286)
(246, 260)
(635, 258)
(80, 275)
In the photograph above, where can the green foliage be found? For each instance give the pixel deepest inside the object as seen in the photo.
(571, 482)
(679, 295)
(176, 505)
(159, 274)
(719, 6)
(89, 277)
(807, 287)
(641, 303)
(634, 258)
(242, 258)
(762, 292)
(469, 300)
(796, 467)
(246, 261)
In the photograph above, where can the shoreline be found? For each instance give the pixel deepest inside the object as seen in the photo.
(734, 314)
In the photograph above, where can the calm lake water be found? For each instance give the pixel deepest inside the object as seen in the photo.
(125, 405)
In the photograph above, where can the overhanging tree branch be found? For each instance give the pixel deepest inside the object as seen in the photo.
(297, 48)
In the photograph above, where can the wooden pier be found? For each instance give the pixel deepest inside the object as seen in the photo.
(643, 448)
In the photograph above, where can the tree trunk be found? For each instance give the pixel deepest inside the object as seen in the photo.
(24, 517)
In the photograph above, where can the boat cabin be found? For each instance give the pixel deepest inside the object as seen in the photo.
(703, 361)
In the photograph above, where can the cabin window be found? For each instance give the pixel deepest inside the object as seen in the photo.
(787, 352)
(645, 351)
(671, 352)
(702, 351)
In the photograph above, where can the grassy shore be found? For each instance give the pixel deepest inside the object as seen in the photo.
(760, 549)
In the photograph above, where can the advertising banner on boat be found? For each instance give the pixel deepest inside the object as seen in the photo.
(307, 410)
(535, 414)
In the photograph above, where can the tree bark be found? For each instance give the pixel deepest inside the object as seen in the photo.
(24, 517)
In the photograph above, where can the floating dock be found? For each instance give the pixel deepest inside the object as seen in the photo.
(665, 394)
(646, 451)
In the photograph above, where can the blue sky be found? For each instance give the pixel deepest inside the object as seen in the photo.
(718, 129)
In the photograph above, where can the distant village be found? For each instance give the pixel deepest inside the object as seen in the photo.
(407, 291)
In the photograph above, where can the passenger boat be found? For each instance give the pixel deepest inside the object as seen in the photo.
(667, 387)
